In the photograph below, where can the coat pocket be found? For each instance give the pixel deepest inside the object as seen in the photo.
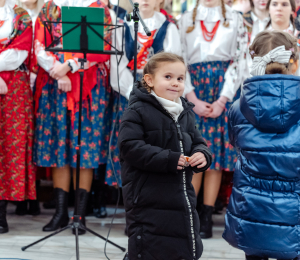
(139, 187)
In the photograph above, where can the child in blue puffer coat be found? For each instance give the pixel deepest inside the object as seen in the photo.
(263, 215)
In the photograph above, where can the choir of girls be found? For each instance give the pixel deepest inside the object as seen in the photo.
(39, 125)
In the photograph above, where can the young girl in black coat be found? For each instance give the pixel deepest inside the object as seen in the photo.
(160, 148)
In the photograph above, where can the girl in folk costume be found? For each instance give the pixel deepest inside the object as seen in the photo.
(17, 172)
(57, 109)
(33, 8)
(159, 7)
(164, 37)
(256, 21)
(214, 44)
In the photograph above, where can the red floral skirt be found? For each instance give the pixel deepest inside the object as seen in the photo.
(17, 172)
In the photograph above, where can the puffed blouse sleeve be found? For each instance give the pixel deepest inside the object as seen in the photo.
(238, 70)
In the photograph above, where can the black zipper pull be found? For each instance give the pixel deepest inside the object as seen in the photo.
(179, 131)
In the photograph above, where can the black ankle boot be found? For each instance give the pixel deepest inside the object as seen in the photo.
(60, 218)
(81, 207)
(100, 191)
(21, 208)
(206, 221)
(34, 205)
(3, 222)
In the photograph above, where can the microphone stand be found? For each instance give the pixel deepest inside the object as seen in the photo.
(136, 17)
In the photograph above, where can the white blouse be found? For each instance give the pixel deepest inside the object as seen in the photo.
(10, 59)
(171, 44)
(258, 25)
(229, 43)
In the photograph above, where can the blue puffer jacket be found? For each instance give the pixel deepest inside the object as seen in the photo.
(263, 215)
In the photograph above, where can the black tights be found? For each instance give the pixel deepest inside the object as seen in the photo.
(253, 257)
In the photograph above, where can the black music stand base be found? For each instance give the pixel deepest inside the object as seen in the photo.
(76, 224)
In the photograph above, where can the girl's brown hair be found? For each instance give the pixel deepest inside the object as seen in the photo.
(225, 23)
(266, 41)
(155, 61)
(292, 20)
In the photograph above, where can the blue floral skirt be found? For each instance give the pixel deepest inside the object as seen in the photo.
(208, 80)
(113, 169)
(55, 137)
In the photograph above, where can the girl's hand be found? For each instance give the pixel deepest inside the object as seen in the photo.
(64, 84)
(32, 79)
(201, 108)
(218, 107)
(181, 163)
(217, 110)
(59, 70)
(198, 159)
(3, 87)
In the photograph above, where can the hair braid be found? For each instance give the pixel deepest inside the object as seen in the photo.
(225, 23)
(191, 28)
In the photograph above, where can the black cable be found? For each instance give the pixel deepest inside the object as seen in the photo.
(110, 139)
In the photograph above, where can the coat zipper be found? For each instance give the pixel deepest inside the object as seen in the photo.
(184, 183)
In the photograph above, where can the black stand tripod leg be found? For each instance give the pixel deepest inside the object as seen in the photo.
(77, 243)
(44, 238)
(97, 235)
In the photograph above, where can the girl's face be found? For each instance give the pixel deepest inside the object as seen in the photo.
(210, 3)
(260, 4)
(168, 80)
(280, 11)
(146, 7)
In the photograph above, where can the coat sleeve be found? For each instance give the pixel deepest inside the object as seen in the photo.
(135, 151)
(199, 145)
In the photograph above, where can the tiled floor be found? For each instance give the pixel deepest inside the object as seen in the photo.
(27, 229)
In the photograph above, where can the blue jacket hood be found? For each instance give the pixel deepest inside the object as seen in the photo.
(271, 103)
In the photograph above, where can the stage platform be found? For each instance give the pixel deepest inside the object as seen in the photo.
(27, 229)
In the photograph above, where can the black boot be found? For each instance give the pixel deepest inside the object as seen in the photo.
(3, 222)
(206, 221)
(81, 208)
(21, 208)
(34, 205)
(60, 218)
(100, 191)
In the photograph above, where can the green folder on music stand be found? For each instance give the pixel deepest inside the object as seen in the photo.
(93, 15)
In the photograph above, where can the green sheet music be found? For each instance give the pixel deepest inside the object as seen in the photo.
(93, 15)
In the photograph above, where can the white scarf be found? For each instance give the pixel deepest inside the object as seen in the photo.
(278, 54)
(173, 107)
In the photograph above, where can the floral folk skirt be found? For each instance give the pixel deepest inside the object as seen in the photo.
(17, 171)
(113, 170)
(208, 80)
(55, 135)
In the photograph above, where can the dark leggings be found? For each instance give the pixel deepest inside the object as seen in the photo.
(253, 257)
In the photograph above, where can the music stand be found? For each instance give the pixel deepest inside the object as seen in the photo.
(76, 223)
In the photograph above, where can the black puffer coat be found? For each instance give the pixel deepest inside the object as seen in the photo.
(160, 201)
